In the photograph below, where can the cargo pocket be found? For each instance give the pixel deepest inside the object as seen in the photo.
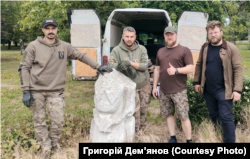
(186, 105)
(147, 92)
(32, 100)
(185, 101)
(62, 97)
(147, 98)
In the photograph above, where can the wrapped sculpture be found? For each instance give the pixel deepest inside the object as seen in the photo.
(114, 108)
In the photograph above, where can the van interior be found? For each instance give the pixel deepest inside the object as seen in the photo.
(149, 28)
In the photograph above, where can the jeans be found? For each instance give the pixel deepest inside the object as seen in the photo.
(220, 112)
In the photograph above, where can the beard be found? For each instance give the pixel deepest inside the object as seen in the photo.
(170, 44)
(128, 44)
(216, 41)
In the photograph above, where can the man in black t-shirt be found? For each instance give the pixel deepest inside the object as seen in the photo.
(220, 79)
(214, 70)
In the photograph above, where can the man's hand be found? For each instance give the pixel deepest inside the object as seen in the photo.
(197, 88)
(124, 64)
(236, 96)
(155, 93)
(171, 70)
(26, 98)
(132, 71)
(104, 68)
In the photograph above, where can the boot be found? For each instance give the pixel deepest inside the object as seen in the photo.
(46, 154)
(57, 149)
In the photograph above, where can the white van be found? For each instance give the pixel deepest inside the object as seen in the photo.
(85, 31)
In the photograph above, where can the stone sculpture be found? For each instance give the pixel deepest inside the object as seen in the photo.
(114, 108)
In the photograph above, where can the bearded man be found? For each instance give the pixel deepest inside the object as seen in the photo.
(131, 59)
(173, 63)
(219, 76)
(42, 73)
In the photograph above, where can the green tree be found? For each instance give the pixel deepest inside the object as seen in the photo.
(243, 18)
(231, 10)
(104, 7)
(6, 31)
(247, 9)
(33, 13)
(175, 8)
(9, 17)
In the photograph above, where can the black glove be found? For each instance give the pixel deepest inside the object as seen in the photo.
(132, 71)
(122, 65)
(104, 68)
(26, 98)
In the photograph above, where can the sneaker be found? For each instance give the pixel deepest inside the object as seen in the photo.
(172, 141)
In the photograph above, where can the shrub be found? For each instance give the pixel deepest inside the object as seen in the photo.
(248, 47)
(243, 102)
(198, 111)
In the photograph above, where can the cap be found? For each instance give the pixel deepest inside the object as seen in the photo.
(170, 29)
(49, 22)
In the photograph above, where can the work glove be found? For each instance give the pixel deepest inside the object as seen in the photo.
(122, 65)
(104, 68)
(132, 72)
(26, 98)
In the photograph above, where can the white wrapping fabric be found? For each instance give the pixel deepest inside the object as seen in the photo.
(114, 108)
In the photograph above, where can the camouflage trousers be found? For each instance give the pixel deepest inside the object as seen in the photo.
(142, 99)
(56, 106)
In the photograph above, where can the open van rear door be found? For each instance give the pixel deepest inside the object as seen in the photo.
(192, 31)
(85, 35)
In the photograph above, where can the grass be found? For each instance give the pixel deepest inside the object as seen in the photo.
(244, 48)
(17, 129)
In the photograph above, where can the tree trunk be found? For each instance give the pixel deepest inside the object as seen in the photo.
(22, 46)
(231, 32)
(9, 44)
(15, 44)
(231, 39)
(248, 34)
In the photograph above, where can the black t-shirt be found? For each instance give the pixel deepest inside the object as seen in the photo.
(214, 71)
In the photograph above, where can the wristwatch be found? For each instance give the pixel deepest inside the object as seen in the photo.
(176, 71)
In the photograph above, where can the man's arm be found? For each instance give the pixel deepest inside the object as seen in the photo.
(113, 61)
(135, 65)
(143, 64)
(186, 70)
(25, 66)
(24, 72)
(155, 80)
(188, 62)
(197, 72)
(183, 70)
(237, 75)
(237, 71)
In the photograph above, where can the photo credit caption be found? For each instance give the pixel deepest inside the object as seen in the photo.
(136, 149)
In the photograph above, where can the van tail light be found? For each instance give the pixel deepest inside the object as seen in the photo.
(105, 60)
